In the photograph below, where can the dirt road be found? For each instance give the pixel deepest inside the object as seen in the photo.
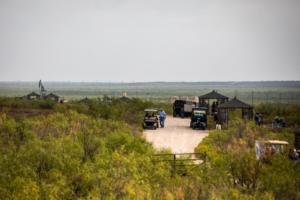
(177, 136)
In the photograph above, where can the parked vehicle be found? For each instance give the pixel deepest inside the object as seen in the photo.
(265, 149)
(150, 119)
(199, 118)
(183, 108)
(278, 122)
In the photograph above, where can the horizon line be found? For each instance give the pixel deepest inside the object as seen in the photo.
(126, 82)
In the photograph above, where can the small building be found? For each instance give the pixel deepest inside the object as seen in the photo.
(124, 97)
(33, 96)
(52, 96)
(124, 94)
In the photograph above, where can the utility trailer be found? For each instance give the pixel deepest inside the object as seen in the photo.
(183, 108)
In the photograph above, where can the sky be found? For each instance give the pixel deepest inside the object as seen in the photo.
(149, 40)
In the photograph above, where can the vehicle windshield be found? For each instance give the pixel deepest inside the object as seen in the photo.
(276, 147)
(150, 114)
(199, 114)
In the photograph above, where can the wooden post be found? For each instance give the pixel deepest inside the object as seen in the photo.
(227, 113)
(174, 164)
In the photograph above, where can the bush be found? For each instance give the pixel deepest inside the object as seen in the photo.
(233, 169)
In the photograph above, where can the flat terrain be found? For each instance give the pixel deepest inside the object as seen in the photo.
(177, 136)
(271, 91)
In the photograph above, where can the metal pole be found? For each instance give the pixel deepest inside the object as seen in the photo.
(279, 97)
(227, 112)
(252, 97)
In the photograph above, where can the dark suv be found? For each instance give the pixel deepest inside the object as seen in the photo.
(199, 118)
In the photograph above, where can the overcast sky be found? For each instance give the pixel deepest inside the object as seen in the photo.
(149, 40)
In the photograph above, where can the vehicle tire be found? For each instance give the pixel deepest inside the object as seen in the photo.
(182, 115)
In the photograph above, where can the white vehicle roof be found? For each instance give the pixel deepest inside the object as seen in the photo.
(199, 112)
(277, 142)
(150, 110)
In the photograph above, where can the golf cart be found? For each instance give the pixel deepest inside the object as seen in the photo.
(265, 149)
(278, 122)
(199, 118)
(150, 119)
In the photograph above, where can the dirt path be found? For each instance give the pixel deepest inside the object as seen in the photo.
(177, 136)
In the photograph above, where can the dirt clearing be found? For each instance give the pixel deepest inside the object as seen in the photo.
(176, 136)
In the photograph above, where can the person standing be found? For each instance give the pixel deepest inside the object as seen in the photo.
(162, 118)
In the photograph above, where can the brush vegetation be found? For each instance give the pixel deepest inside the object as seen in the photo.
(93, 149)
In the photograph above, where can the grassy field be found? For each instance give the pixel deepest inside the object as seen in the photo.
(273, 91)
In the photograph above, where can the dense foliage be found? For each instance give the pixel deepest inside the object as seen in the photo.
(93, 149)
(232, 171)
(71, 156)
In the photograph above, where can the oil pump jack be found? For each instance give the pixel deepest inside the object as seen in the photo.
(42, 89)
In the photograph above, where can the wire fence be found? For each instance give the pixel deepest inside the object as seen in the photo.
(270, 97)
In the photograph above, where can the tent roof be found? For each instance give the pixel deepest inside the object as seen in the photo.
(52, 95)
(235, 103)
(33, 94)
(213, 95)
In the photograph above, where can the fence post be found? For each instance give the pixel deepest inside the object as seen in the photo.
(174, 164)
(252, 96)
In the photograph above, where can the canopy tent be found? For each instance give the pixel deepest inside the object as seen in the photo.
(204, 100)
(223, 109)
